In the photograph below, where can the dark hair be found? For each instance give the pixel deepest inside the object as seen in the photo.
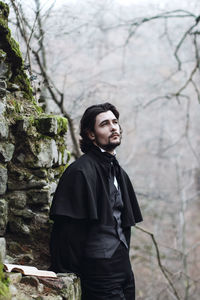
(88, 121)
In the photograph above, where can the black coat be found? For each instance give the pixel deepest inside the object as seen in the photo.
(82, 197)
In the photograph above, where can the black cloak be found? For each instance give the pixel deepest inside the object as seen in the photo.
(83, 191)
(82, 197)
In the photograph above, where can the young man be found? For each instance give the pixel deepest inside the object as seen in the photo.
(93, 210)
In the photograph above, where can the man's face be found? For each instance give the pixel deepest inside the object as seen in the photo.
(106, 133)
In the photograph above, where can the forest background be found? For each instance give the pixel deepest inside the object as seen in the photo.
(142, 56)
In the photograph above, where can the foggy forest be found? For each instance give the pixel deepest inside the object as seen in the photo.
(142, 56)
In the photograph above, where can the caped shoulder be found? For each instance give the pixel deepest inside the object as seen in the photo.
(83, 163)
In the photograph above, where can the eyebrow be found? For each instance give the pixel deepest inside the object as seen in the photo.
(106, 120)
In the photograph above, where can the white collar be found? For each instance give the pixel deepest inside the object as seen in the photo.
(102, 150)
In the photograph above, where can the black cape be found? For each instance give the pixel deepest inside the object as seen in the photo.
(83, 191)
(81, 199)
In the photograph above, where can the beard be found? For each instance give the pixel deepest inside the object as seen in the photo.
(110, 146)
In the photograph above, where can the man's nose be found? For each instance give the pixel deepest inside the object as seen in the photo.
(113, 127)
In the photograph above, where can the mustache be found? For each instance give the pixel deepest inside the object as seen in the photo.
(114, 134)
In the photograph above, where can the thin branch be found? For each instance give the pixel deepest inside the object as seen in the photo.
(162, 268)
(20, 23)
(196, 90)
(188, 80)
(166, 97)
(180, 44)
(31, 34)
(41, 33)
(21, 20)
(166, 15)
(76, 152)
(193, 150)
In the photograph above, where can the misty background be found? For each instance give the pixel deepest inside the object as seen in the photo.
(143, 57)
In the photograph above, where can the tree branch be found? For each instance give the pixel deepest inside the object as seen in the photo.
(162, 268)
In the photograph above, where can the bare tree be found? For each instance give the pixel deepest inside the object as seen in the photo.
(101, 36)
(28, 32)
(192, 33)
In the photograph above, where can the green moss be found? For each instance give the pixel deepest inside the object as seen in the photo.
(68, 156)
(22, 80)
(4, 10)
(62, 149)
(14, 57)
(62, 124)
(4, 285)
(16, 106)
(51, 125)
(38, 108)
(21, 108)
(60, 170)
(11, 47)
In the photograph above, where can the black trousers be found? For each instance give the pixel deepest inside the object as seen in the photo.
(108, 278)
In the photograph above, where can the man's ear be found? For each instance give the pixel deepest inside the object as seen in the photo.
(91, 135)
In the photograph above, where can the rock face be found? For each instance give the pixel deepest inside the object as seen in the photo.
(30, 287)
(33, 155)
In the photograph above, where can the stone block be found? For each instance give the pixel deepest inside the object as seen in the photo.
(6, 151)
(22, 125)
(3, 179)
(2, 249)
(47, 155)
(15, 277)
(68, 285)
(3, 216)
(2, 106)
(25, 185)
(38, 197)
(16, 225)
(13, 292)
(3, 129)
(26, 127)
(41, 173)
(30, 280)
(71, 287)
(17, 199)
(51, 125)
(24, 213)
(47, 126)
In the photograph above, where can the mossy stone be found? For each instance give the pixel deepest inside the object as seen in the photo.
(4, 10)
(51, 125)
(62, 125)
(4, 284)
(14, 57)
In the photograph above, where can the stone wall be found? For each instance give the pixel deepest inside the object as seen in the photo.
(33, 155)
(33, 150)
